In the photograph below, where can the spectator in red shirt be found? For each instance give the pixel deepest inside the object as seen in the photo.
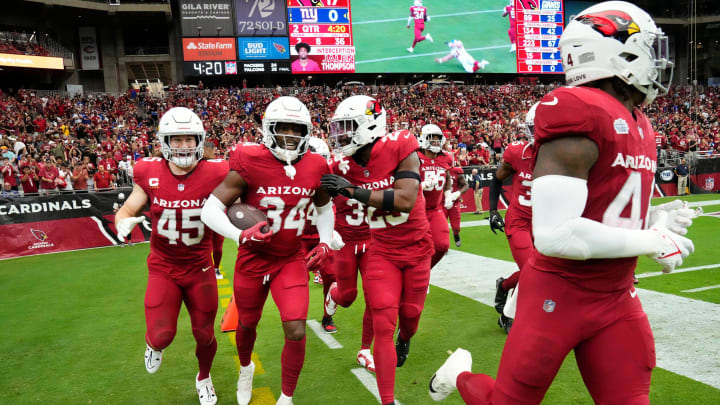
(29, 180)
(109, 163)
(80, 177)
(9, 175)
(48, 174)
(103, 179)
(40, 124)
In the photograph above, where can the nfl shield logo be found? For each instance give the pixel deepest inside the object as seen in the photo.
(709, 184)
(366, 173)
(549, 306)
(181, 187)
(230, 68)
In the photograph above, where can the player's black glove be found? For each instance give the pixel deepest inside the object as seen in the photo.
(336, 184)
(496, 222)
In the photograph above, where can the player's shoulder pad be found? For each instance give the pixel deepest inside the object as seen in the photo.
(566, 111)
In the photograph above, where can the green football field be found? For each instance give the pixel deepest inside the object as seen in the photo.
(72, 330)
(381, 39)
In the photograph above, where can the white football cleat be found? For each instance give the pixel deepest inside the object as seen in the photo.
(244, 384)
(218, 275)
(365, 359)
(513, 48)
(411, 50)
(429, 37)
(284, 400)
(330, 304)
(483, 64)
(442, 382)
(153, 359)
(206, 391)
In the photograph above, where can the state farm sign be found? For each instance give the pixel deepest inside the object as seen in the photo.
(208, 49)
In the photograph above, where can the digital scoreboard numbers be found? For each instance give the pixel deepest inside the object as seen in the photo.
(539, 27)
(320, 33)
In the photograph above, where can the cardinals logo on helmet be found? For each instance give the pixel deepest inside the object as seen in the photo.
(613, 23)
(373, 108)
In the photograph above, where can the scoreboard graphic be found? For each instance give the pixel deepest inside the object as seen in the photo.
(539, 27)
(321, 36)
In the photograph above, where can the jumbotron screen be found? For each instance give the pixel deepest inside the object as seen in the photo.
(377, 36)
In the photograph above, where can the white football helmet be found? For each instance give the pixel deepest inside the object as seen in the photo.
(358, 120)
(617, 39)
(286, 110)
(418, 3)
(181, 121)
(530, 122)
(432, 138)
(319, 146)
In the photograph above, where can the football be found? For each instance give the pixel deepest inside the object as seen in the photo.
(245, 216)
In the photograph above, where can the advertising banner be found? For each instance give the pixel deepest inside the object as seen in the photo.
(89, 54)
(202, 18)
(259, 48)
(39, 225)
(261, 18)
(27, 61)
(195, 49)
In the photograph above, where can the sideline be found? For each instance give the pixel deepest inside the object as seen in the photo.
(684, 328)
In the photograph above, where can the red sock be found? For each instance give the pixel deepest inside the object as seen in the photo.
(245, 341)
(475, 389)
(205, 355)
(511, 281)
(385, 357)
(292, 359)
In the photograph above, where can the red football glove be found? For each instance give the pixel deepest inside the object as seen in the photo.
(255, 235)
(317, 257)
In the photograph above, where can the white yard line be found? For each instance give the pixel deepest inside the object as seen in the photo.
(322, 335)
(368, 380)
(703, 203)
(692, 290)
(660, 273)
(685, 330)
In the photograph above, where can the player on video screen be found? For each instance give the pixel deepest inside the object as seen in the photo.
(418, 13)
(457, 50)
(304, 63)
(509, 12)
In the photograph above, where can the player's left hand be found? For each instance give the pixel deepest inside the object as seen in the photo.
(673, 248)
(679, 215)
(496, 222)
(336, 184)
(336, 243)
(317, 257)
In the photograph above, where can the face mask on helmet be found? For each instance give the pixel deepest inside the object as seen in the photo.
(357, 121)
(432, 138)
(286, 127)
(530, 122)
(617, 39)
(180, 121)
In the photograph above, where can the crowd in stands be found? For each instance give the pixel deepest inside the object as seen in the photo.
(21, 43)
(76, 136)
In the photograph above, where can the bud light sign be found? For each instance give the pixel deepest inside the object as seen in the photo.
(264, 48)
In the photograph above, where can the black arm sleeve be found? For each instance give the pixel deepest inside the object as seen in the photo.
(495, 189)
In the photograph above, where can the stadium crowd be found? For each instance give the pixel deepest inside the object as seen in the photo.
(79, 134)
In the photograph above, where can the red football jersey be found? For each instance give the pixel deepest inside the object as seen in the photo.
(434, 169)
(284, 200)
(419, 15)
(178, 236)
(620, 183)
(310, 231)
(392, 233)
(519, 155)
(350, 214)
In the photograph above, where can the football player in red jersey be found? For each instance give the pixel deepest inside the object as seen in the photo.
(176, 187)
(383, 173)
(281, 179)
(435, 174)
(517, 162)
(509, 12)
(352, 226)
(419, 15)
(592, 184)
(459, 186)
